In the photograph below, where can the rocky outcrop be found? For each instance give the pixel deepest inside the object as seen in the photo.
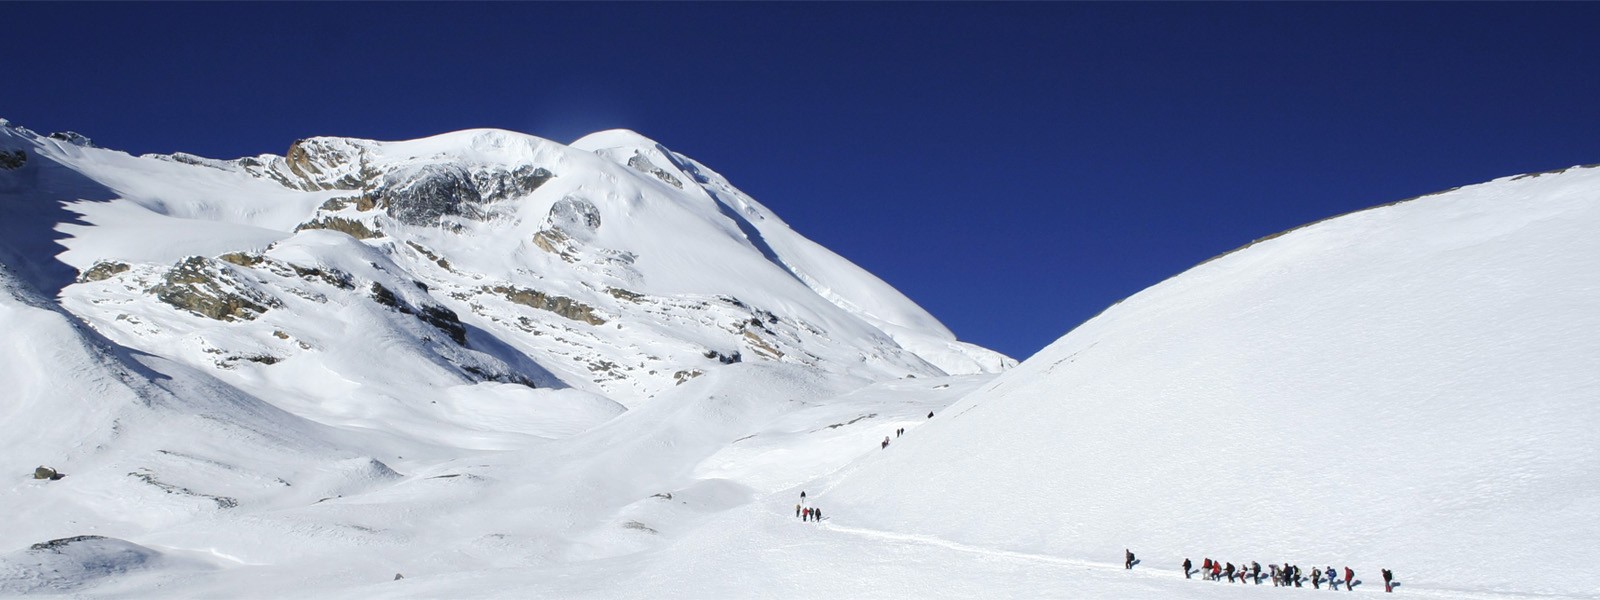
(57, 545)
(495, 185)
(46, 473)
(643, 165)
(74, 138)
(724, 358)
(444, 264)
(422, 195)
(327, 163)
(11, 160)
(354, 228)
(571, 219)
(208, 288)
(561, 305)
(103, 270)
(439, 317)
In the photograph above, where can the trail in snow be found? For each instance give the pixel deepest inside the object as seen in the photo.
(1158, 573)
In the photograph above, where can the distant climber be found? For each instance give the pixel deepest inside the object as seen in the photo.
(1228, 571)
(1388, 580)
(886, 441)
(930, 414)
(807, 515)
(1186, 566)
(1349, 579)
(1216, 570)
(816, 514)
(1333, 578)
(1316, 579)
(1127, 558)
(1255, 572)
(797, 511)
(802, 495)
(1276, 578)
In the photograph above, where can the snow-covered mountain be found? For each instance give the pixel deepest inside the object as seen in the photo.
(218, 353)
(504, 367)
(613, 266)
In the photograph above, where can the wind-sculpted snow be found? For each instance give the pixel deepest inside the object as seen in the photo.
(1409, 387)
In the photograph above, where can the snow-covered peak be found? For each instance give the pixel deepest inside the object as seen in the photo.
(614, 138)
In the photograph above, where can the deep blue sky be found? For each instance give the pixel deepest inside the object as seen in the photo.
(1014, 168)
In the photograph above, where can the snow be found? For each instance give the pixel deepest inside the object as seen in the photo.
(1407, 387)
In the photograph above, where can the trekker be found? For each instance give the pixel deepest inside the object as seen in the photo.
(802, 495)
(1216, 570)
(797, 511)
(930, 414)
(1255, 572)
(1229, 572)
(1333, 578)
(1388, 580)
(1316, 578)
(807, 516)
(816, 514)
(1275, 576)
(1186, 566)
(1127, 559)
(1349, 579)
(1294, 573)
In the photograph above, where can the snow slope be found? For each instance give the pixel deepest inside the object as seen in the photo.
(1408, 387)
(503, 367)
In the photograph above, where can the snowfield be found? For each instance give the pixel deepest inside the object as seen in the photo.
(484, 364)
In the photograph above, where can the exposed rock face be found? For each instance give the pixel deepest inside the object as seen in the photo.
(496, 185)
(571, 219)
(421, 196)
(46, 473)
(424, 194)
(12, 160)
(561, 305)
(643, 165)
(57, 544)
(727, 359)
(356, 229)
(103, 270)
(440, 317)
(208, 288)
(74, 138)
(573, 215)
(327, 163)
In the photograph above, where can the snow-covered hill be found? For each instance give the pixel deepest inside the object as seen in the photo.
(1409, 387)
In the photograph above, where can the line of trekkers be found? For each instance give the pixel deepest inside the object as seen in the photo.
(807, 513)
(1285, 575)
